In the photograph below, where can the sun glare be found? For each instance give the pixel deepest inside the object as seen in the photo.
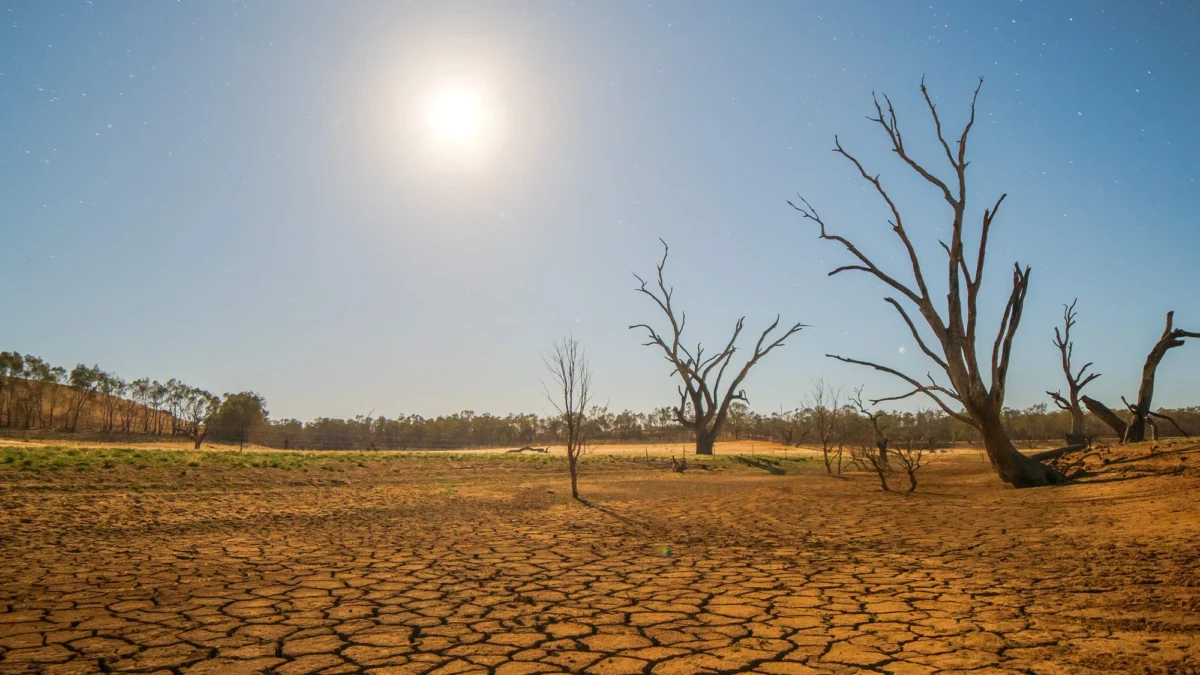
(457, 115)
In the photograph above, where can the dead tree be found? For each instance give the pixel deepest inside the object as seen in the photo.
(827, 421)
(867, 456)
(974, 393)
(876, 457)
(1141, 414)
(911, 460)
(876, 419)
(703, 404)
(1075, 381)
(570, 394)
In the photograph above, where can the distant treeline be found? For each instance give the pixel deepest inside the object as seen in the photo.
(36, 397)
(810, 425)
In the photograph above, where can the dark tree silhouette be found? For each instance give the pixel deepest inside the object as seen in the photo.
(1141, 412)
(570, 394)
(1076, 381)
(974, 394)
(703, 404)
(877, 426)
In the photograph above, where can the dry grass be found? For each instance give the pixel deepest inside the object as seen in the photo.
(478, 562)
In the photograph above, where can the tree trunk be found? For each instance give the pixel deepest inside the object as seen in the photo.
(1014, 468)
(1107, 416)
(572, 465)
(1171, 338)
(1076, 436)
(704, 443)
(1057, 452)
(881, 471)
(882, 444)
(1136, 431)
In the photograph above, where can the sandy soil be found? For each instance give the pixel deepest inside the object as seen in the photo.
(749, 448)
(460, 566)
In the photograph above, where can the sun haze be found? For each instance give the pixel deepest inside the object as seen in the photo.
(394, 206)
(456, 115)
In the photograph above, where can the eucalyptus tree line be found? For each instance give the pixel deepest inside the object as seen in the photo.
(35, 395)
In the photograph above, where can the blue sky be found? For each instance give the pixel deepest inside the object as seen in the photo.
(236, 194)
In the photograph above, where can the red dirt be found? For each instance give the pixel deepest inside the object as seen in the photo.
(427, 567)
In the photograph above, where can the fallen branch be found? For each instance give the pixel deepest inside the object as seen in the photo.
(1058, 452)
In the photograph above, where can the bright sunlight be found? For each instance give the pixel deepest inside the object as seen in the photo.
(457, 115)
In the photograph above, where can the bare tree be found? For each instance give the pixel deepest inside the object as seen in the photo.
(911, 460)
(703, 405)
(877, 426)
(1141, 414)
(826, 416)
(570, 394)
(1075, 381)
(974, 394)
(875, 457)
(868, 457)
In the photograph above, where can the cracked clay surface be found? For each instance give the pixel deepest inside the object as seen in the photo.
(452, 568)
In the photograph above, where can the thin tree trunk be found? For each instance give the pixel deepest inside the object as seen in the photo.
(572, 460)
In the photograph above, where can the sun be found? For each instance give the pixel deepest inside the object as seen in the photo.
(457, 115)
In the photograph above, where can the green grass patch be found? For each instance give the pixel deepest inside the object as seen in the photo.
(56, 458)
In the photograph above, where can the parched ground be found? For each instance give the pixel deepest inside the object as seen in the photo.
(473, 564)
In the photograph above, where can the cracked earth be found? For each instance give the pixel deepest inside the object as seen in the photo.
(452, 567)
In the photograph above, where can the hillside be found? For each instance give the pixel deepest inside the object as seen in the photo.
(45, 409)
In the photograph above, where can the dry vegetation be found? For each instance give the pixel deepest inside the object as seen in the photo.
(119, 560)
(772, 558)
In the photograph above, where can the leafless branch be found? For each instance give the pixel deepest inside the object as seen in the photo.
(919, 388)
(709, 402)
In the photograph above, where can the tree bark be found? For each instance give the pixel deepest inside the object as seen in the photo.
(1135, 430)
(1076, 436)
(704, 443)
(1013, 467)
(1057, 452)
(572, 465)
(1105, 415)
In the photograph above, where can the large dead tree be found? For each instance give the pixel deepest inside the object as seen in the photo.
(1076, 381)
(1141, 412)
(703, 404)
(974, 393)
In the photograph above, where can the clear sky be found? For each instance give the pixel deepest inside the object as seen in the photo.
(252, 195)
